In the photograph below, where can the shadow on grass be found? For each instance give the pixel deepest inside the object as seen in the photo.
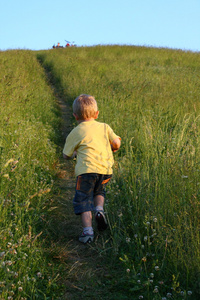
(64, 102)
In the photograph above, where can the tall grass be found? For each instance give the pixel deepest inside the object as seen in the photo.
(150, 97)
(28, 123)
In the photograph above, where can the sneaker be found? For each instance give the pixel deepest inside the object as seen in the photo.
(101, 220)
(86, 238)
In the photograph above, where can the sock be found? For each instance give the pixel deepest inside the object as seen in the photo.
(88, 230)
(98, 208)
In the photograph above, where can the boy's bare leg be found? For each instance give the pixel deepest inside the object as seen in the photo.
(86, 218)
(99, 201)
(88, 234)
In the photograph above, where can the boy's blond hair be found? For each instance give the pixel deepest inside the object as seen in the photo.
(85, 107)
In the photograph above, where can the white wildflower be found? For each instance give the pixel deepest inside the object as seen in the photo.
(39, 274)
(145, 238)
(2, 254)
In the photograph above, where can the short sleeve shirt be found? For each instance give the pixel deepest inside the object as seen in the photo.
(91, 140)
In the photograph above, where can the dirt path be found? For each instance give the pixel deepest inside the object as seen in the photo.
(85, 273)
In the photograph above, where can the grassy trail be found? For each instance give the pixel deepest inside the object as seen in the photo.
(85, 272)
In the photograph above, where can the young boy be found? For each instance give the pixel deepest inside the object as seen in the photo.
(92, 143)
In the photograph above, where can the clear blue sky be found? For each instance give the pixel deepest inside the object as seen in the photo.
(38, 24)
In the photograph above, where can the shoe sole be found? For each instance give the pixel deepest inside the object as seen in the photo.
(89, 240)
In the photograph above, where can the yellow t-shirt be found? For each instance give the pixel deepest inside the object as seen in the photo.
(91, 140)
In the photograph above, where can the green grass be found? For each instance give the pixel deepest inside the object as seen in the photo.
(28, 125)
(150, 97)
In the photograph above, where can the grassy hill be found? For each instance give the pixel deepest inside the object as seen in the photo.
(150, 97)
(28, 125)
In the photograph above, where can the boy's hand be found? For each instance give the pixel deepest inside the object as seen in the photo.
(70, 157)
(113, 149)
(74, 155)
(115, 145)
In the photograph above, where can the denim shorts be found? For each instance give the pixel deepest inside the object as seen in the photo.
(88, 186)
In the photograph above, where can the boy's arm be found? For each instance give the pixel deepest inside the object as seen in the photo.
(115, 145)
(69, 151)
